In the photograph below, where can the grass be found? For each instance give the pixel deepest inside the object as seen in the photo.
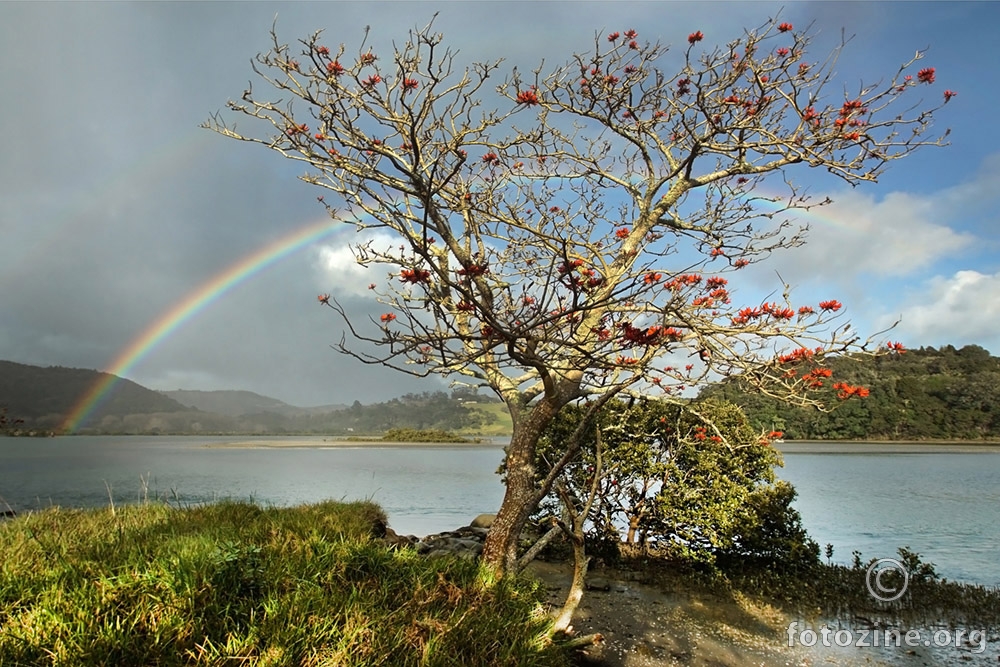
(498, 422)
(236, 584)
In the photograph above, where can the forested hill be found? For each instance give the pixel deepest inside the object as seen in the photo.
(45, 395)
(924, 394)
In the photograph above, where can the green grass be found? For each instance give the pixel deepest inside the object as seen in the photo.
(237, 584)
(498, 421)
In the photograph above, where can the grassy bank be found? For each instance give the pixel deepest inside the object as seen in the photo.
(236, 584)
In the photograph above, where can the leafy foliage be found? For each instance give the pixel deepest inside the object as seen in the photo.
(924, 394)
(692, 481)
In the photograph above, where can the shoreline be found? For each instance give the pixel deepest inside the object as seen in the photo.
(340, 443)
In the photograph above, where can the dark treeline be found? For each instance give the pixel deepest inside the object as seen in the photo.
(924, 394)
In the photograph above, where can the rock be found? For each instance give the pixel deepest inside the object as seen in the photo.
(483, 521)
(598, 584)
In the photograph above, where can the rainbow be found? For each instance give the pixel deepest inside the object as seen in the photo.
(189, 306)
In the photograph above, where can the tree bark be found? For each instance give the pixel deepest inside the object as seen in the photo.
(500, 550)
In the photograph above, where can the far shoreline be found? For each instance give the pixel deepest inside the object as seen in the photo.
(269, 442)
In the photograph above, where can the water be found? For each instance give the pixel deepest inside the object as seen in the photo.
(943, 503)
(422, 489)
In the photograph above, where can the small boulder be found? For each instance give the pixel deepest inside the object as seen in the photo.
(483, 521)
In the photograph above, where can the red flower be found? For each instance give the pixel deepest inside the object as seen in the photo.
(415, 276)
(806, 310)
(529, 97)
(740, 263)
(622, 232)
(388, 317)
(715, 282)
(613, 36)
(322, 50)
(324, 299)
(718, 252)
(926, 75)
(775, 434)
(634, 45)
(782, 51)
(833, 305)
(897, 347)
(335, 68)
(410, 84)
(695, 37)
(371, 285)
(948, 94)
(631, 34)
(491, 159)
(464, 306)
(652, 278)
(784, 27)
(368, 58)
(371, 81)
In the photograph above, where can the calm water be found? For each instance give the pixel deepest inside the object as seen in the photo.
(944, 505)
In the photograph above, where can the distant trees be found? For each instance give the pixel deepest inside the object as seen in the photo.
(925, 394)
(572, 232)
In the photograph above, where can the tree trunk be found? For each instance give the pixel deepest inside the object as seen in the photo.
(500, 550)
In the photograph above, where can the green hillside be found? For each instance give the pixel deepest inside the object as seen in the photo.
(43, 396)
(924, 394)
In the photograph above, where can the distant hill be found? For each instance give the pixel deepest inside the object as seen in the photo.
(44, 396)
(924, 394)
(238, 403)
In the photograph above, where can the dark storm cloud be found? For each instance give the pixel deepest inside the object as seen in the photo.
(115, 206)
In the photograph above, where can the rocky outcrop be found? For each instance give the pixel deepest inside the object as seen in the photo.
(465, 542)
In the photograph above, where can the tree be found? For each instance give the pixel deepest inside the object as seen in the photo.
(566, 234)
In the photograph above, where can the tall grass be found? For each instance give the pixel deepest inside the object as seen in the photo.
(237, 584)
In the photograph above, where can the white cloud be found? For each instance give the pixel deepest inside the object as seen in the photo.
(958, 310)
(899, 235)
(339, 272)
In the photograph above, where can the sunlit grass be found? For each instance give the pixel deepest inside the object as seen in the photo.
(237, 584)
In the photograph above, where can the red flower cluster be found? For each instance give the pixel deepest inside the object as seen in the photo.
(409, 84)
(368, 58)
(626, 361)
(740, 263)
(926, 75)
(777, 311)
(322, 50)
(464, 306)
(717, 252)
(809, 114)
(415, 276)
(897, 347)
(688, 279)
(474, 270)
(324, 299)
(388, 317)
(335, 68)
(814, 377)
(652, 278)
(784, 27)
(567, 267)
(371, 81)
(491, 159)
(622, 232)
(782, 51)
(845, 391)
(806, 310)
(715, 282)
(529, 97)
(700, 433)
(696, 37)
(948, 94)
(613, 36)
(832, 304)
(631, 34)
(795, 356)
(297, 129)
(774, 435)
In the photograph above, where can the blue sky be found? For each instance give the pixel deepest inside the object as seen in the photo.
(114, 205)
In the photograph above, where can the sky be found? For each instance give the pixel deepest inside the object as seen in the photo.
(130, 237)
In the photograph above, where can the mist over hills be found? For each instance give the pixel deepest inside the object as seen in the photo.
(43, 397)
